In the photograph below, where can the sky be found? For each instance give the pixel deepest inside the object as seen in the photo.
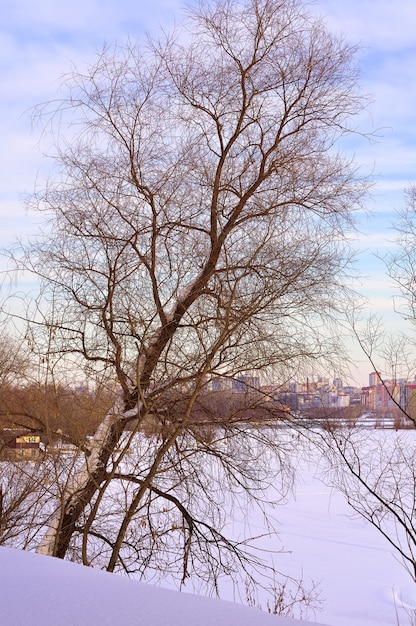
(359, 580)
(39, 39)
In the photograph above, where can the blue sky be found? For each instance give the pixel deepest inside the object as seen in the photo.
(40, 38)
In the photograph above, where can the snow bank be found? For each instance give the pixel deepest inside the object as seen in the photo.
(43, 591)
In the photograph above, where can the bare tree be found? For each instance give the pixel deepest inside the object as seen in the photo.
(377, 474)
(376, 470)
(14, 362)
(199, 213)
(401, 263)
(22, 485)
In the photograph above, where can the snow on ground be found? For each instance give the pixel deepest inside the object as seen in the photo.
(43, 591)
(361, 581)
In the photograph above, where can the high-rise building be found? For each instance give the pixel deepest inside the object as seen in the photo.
(374, 379)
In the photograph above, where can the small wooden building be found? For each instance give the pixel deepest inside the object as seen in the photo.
(18, 445)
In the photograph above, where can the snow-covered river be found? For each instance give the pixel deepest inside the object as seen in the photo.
(361, 580)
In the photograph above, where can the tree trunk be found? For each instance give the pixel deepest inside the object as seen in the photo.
(82, 487)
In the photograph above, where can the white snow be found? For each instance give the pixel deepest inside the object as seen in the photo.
(43, 591)
(361, 581)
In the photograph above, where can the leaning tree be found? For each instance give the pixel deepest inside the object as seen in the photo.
(198, 217)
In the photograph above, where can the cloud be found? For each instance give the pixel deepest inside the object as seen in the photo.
(382, 25)
(76, 19)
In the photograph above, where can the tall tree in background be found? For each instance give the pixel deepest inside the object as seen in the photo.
(198, 219)
(402, 263)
